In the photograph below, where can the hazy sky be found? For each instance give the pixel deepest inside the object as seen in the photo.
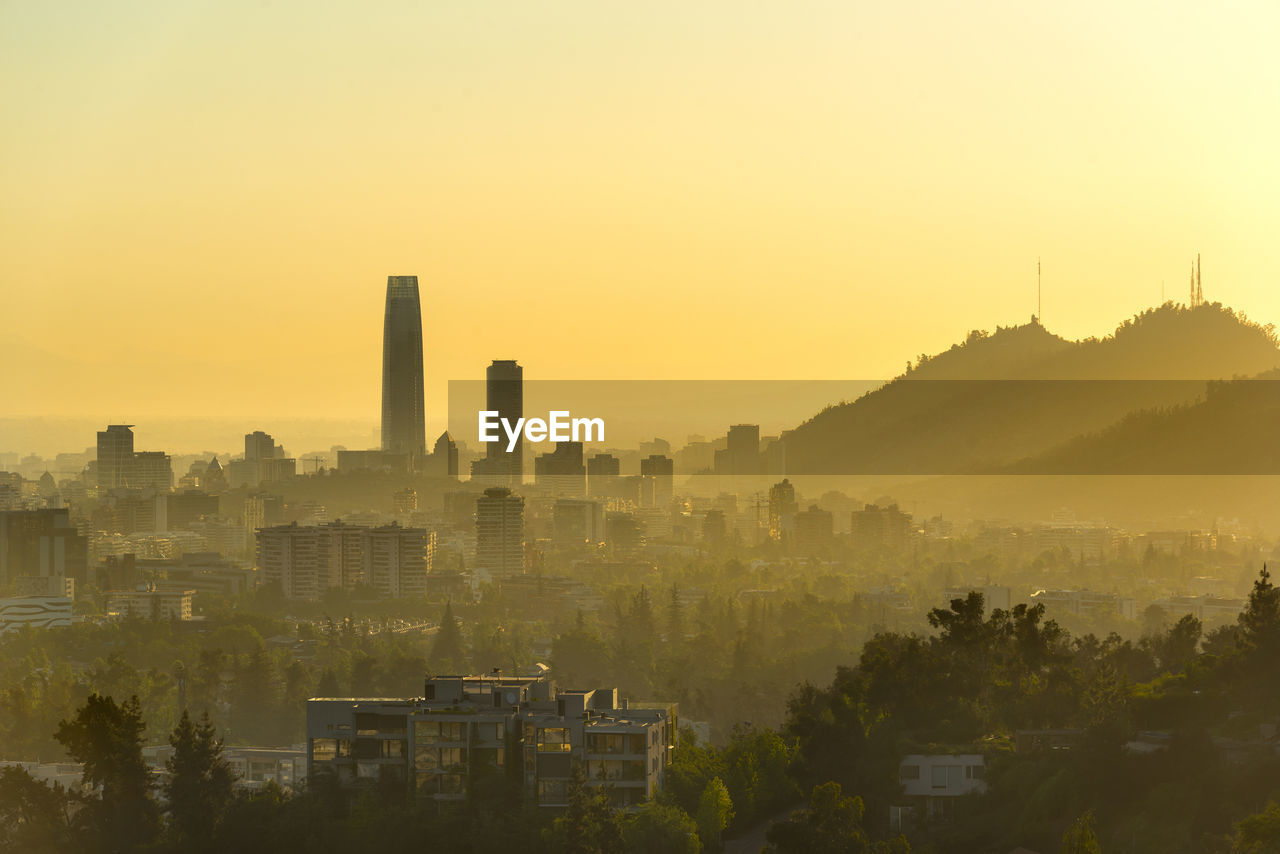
(200, 202)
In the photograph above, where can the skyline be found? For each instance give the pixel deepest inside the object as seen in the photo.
(729, 177)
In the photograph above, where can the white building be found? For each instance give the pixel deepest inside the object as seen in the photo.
(931, 784)
(41, 612)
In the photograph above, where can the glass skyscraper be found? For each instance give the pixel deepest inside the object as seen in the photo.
(404, 425)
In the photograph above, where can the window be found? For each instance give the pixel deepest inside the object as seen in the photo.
(429, 732)
(973, 772)
(324, 749)
(553, 740)
(908, 772)
(553, 792)
(947, 776)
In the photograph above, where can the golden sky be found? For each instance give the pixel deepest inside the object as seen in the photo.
(200, 202)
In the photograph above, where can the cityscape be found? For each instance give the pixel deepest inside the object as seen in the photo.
(646, 540)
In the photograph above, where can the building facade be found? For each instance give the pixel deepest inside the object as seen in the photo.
(466, 728)
(404, 425)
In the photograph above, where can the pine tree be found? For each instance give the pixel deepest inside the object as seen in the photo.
(200, 786)
(447, 653)
(107, 739)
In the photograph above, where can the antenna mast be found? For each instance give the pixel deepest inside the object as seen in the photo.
(1039, 296)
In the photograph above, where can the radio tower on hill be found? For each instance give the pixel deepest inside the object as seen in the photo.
(1197, 292)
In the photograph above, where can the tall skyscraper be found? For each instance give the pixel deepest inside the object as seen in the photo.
(504, 394)
(404, 424)
(115, 456)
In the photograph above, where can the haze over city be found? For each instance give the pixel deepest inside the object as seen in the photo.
(228, 184)
(709, 428)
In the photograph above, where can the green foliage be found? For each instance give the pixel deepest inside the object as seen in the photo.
(1258, 833)
(659, 828)
(107, 738)
(34, 817)
(830, 824)
(200, 786)
(715, 811)
(1080, 838)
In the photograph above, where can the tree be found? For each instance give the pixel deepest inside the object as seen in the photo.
(1260, 620)
(107, 739)
(831, 824)
(447, 653)
(715, 811)
(589, 825)
(1080, 837)
(33, 817)
(660, 828)
(1258, 833)
(200, 787)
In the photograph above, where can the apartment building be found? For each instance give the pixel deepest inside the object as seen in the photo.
(466, 727)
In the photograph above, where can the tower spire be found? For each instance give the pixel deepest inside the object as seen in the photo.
(1039, 296)
(1200, 291)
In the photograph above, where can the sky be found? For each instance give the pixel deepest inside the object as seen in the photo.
(201, 202)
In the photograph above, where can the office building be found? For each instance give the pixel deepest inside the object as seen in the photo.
(404, 425)
(465, 728)
(659, 470)
(504, 394)
(562, 470)
(444, 457)
(41, 543)
(602, 475)
(741, 456)
(115, 456)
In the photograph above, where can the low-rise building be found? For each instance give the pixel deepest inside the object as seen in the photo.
(931, 784)
(464, 728)
(148, 603)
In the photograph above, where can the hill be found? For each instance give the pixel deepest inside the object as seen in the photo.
(995, 400)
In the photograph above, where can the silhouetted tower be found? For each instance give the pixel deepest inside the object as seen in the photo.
(1197, 292)
(404, 424)
(504, 394)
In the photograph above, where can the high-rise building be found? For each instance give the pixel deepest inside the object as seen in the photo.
(815, 530)
(782, 509)
(742, 454)
(152, 470)
(41, 543)
(504, 394)
(404, 425)
(115, 456)
(259, 446)
(307, 560)
(444, 457)
(562, 470)
(602, 475)
(500, 532)
(660, 470)
(397, 560)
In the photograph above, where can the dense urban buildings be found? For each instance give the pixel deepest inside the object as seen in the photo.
(404, 427)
